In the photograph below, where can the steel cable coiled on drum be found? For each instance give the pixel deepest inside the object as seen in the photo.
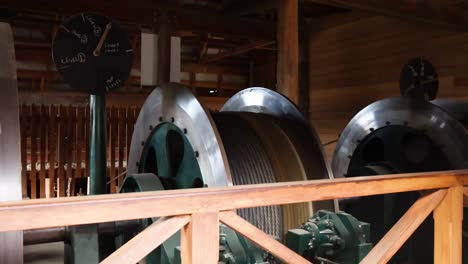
(250, 164)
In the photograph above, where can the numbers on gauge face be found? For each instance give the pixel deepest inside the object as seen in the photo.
(92, 53)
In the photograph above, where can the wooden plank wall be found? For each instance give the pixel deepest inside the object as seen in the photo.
(54, 149)
(355, 64)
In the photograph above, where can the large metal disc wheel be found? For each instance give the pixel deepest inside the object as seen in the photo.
(398, 135)
(258, 137)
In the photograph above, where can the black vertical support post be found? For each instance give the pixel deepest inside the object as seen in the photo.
(97, 145)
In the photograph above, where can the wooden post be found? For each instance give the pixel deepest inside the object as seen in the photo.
(200, 239)
(33, 173)
(258, 237)
(304, 37)
(288, 50)
(147, 240)
(219, 84)
(448, 217)
(164, 52)
(42, 152)
(192, 83)
(404, 228)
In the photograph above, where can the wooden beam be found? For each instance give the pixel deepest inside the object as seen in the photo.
(194, 40)
(212, 68)
(223, 25)
(186, 245)
(214, 85)
(49, 97)
(446, 13)
(37, 74)
(203, 50)
(237, 51)
(220, 85)
(259, 238)
(191, 83)
(148, 14)
(287, 73)
(112, 99)
(465, 196)
(105, 208)
(321, 23)
(304, 64)
(147, 240)
(404, 228)
(448, 219)
(242, 8)
(164, 53)
(201, 233)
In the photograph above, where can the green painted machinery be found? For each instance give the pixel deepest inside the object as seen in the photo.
(169, 162)
(233, 247)
(331, 238)
(176, 144)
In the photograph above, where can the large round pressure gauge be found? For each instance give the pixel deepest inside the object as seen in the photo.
(92, 53)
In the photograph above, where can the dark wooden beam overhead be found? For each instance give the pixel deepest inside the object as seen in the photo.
(287, 69)
(242, 7)
(449, 14)
(212, 22)
(213, 43)
(337, 19)
(237, 51)
(147, 13)
(204, 49)
(164, 53)
(54, 97)
(213, 68)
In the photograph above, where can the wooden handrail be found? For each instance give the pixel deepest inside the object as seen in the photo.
(404, 228)
(198, 212)
(259, 238)
(128, 206)
(448, 220)
(138, 247)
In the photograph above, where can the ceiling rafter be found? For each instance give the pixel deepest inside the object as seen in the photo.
(146, 13)
(446, 14)
(239, 50)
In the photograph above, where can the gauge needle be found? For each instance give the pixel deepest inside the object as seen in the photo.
(97, 50)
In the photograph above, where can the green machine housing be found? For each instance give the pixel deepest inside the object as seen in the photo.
(331, 238)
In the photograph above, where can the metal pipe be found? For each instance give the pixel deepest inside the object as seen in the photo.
(40, 236)
(59, 234)
(97, 144)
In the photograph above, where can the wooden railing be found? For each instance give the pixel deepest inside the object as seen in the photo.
(197, 213)
(55, 148)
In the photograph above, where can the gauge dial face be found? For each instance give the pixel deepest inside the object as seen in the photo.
(419, 79)
(92, 53)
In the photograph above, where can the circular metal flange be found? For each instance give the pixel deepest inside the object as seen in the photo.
(263, 100)
(455, 107)
(176, 104)
(299, 131)
(437, 124)
(266, 101)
